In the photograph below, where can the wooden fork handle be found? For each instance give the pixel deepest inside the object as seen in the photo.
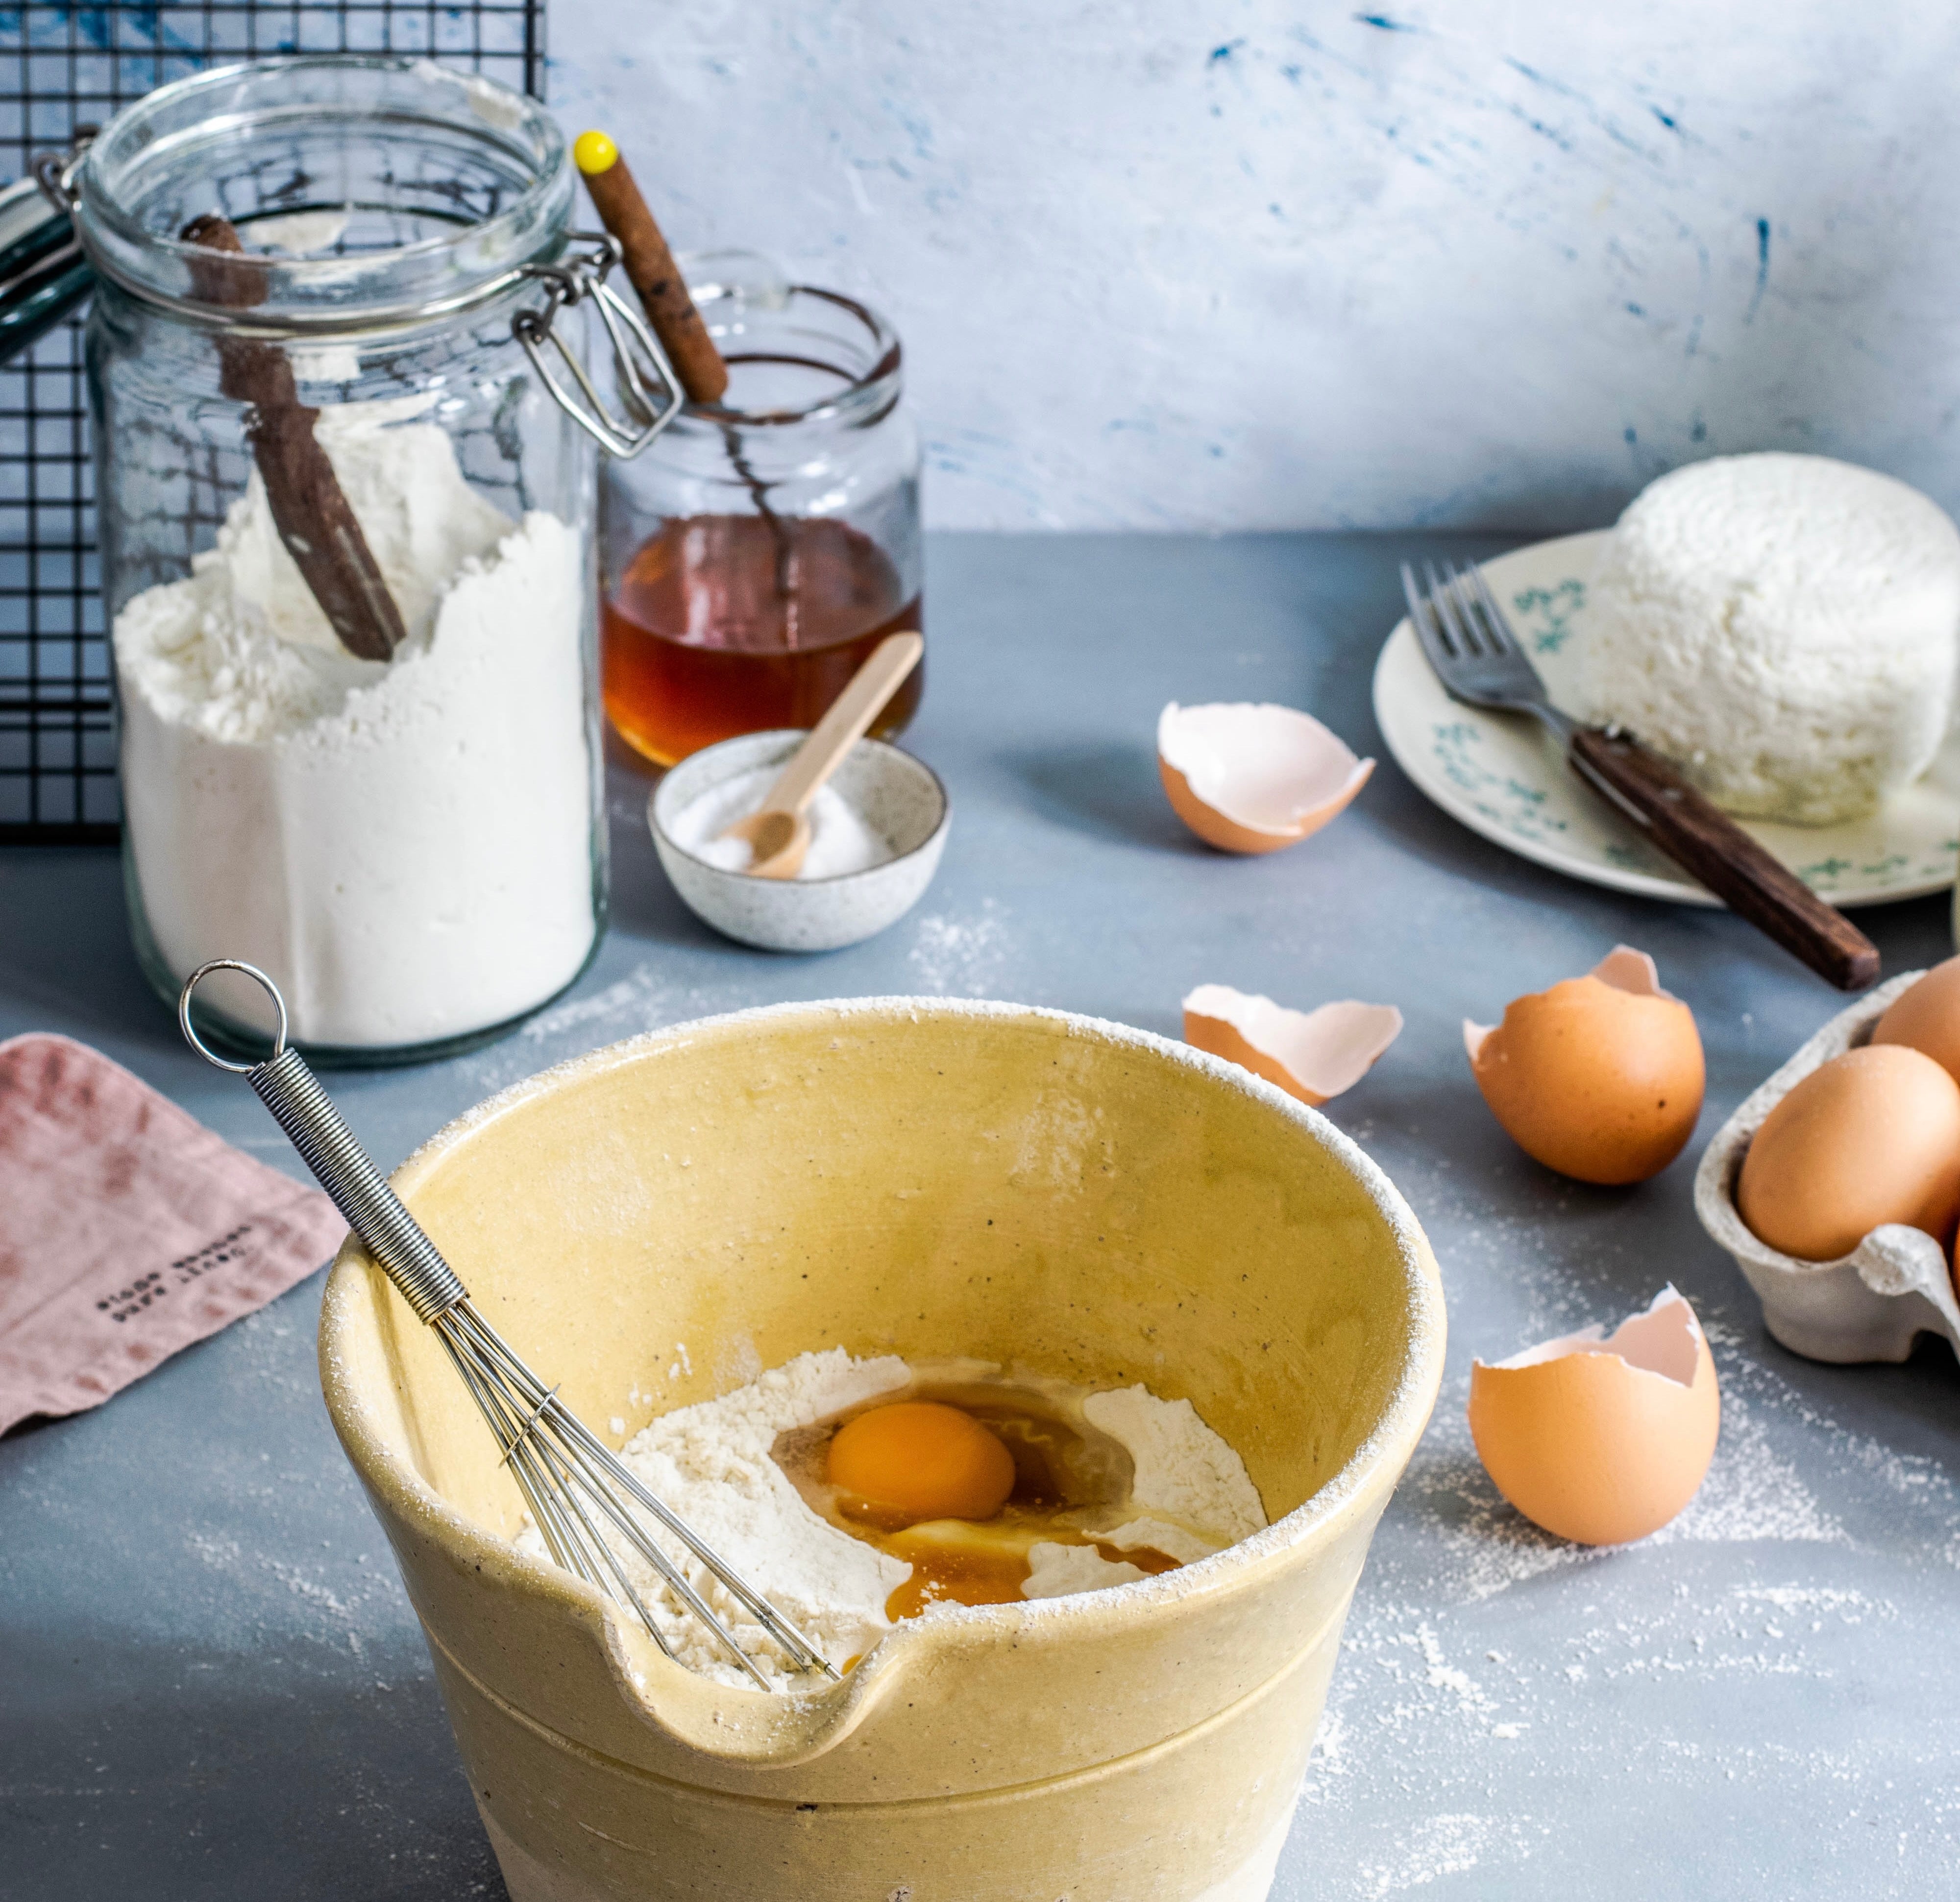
(1703, 839)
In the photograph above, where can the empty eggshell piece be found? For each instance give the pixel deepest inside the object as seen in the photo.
(1602, 1440)
(1312, 1054)
(1926, 1018)
(1601, 1077)
(1251, 778)
(1870, 1137)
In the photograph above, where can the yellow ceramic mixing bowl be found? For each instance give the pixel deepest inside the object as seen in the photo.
(927, 1178)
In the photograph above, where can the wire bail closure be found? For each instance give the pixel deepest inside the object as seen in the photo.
(650, 392)
(54, 172)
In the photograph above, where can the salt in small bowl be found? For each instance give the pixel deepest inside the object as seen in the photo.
(898, 797)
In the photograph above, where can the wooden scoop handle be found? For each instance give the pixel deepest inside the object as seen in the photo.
(309, 509)
(848, 719)
(1703, 839)
(650, 265)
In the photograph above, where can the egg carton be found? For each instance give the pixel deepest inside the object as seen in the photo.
(1869, 1304)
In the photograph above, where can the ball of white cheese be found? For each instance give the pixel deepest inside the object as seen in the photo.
(1785, 628)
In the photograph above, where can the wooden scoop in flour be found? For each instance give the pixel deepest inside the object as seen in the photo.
(778, 830)
(311, 511)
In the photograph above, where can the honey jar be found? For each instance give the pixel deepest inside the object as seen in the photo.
(763, 545)
(347, 557)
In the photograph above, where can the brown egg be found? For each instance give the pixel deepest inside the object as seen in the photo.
(1927, 1017)
(1600, 1078)
(1872, 1136)
(1601, 1441)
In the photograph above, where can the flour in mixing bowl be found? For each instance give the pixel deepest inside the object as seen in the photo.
(1183, 1468)
(719, 1464)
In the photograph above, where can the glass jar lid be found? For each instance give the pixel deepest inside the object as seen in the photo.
(373, 193)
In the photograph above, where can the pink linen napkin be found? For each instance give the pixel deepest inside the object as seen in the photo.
(128, 1230)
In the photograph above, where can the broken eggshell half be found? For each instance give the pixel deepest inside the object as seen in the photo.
(1312, 1054)
(1601, 1077)
(1601, 1440)
(1252, 778)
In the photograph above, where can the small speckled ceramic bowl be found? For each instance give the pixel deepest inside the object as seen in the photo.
(897, 797)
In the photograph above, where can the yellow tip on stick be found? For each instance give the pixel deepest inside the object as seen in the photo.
(593, 153)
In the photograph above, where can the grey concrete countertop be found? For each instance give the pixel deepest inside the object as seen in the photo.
(212, 1682)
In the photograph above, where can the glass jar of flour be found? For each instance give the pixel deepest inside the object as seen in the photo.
(346, 539)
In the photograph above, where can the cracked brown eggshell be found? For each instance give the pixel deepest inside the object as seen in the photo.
(1601, 1440)
(1601, 1077)
(1312, 1054)
(1251, 778)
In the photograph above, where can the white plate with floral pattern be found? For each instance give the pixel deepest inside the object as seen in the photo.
(1504, 775)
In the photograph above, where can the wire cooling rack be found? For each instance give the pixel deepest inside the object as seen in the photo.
(61, 67)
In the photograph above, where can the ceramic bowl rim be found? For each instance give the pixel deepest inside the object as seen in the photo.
(748, 880)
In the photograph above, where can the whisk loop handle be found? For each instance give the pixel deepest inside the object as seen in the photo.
(575, 1488)
(286, 1085)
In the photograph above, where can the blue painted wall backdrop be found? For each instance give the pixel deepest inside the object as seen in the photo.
(1201, 264)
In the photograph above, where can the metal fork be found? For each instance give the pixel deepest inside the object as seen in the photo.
(1477, 659)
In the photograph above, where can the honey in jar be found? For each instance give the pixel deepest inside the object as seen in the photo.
(764, 544)
(721, 624)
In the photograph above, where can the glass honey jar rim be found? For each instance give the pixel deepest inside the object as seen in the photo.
(866, 393)
(473, 262)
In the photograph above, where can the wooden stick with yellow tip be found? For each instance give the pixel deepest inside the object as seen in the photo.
(651, 267)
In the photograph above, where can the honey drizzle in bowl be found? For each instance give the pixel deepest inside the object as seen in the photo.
(1070, 1481)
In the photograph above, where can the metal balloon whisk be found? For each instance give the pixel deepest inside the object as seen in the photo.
(581, 1497)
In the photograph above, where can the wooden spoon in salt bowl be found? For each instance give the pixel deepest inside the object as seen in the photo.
(778, 830)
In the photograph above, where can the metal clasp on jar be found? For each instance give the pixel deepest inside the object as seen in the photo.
(54, 172)
(43, 274)
(651, 402)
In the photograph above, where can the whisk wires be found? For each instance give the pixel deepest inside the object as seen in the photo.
(567, 1475)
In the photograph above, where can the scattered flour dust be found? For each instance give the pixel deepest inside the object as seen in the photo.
(1488, 1670)
(961, 957)
(1437, 1846)
(712, 1464)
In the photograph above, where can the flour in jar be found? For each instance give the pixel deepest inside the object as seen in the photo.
(406, 845)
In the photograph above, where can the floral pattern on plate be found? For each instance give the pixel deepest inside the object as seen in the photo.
(1504, 776)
